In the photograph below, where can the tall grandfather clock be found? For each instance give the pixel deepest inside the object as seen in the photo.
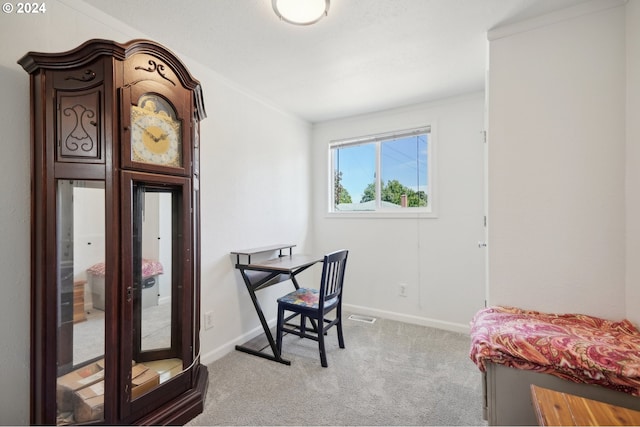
(115, 256)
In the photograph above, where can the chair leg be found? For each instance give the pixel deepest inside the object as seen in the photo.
(279, 326)
(303, 325)
(339, 326)
(323, 354)
(340, 336)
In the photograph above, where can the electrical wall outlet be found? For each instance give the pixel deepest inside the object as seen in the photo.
(208, 320)
(402, 290)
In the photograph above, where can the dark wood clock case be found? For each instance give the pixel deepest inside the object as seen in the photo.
(115, 267)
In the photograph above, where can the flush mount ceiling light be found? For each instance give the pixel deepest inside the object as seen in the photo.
(301, 12)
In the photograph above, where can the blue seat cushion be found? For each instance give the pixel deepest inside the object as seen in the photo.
(306, 297)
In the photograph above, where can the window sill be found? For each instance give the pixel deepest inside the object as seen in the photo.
(381, 215)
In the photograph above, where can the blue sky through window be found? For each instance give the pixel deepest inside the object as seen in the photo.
(405, 160)
(358, 165)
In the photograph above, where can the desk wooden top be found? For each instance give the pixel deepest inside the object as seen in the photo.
(261, 249)
(554, 408)
(286, 264)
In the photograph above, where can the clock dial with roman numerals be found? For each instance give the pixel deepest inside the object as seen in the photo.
(155, 133)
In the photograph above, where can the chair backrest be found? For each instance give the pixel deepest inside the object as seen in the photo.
(332, 278)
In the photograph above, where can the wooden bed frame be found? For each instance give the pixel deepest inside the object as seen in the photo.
(507, 394)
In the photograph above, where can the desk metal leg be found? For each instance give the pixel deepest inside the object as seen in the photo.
(295, 282)
(265, 326)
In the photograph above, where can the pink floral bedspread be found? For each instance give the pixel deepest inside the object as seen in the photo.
(576, 347)
(149, 268)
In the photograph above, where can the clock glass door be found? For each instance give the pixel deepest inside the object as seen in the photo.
(80, 295)
(159, 264)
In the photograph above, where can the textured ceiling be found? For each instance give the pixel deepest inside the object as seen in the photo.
(366, 55)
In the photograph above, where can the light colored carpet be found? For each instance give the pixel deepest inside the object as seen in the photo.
(390, 373)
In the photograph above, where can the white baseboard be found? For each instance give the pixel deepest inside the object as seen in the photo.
(230, 346)
(406, 318)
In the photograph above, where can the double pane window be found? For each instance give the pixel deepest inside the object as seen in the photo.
(382, 173)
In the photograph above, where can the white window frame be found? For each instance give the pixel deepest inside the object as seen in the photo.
(412, 212)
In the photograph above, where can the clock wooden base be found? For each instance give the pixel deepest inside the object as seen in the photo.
(185, 407)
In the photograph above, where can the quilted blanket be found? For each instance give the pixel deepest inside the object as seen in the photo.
(576, 347)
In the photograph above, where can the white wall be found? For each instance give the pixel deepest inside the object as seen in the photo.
(557, 164)
(633, 161)
(256, 192)
(255, 187)
(438, 258)
(88, 230)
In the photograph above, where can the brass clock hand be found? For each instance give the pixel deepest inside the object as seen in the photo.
(161, 137)
(145, 130)
(155, 138)
(152, 136)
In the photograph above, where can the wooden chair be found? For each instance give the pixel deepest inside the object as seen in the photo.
(315, 304)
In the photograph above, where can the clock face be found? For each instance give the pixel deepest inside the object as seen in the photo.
(155, 133)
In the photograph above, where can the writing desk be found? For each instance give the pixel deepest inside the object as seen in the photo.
(261, 274)
(554, 408)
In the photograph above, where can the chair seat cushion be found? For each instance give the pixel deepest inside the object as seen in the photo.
(306, 297)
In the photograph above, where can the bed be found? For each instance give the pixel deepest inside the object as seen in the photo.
(574, 353)
(151, 269)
